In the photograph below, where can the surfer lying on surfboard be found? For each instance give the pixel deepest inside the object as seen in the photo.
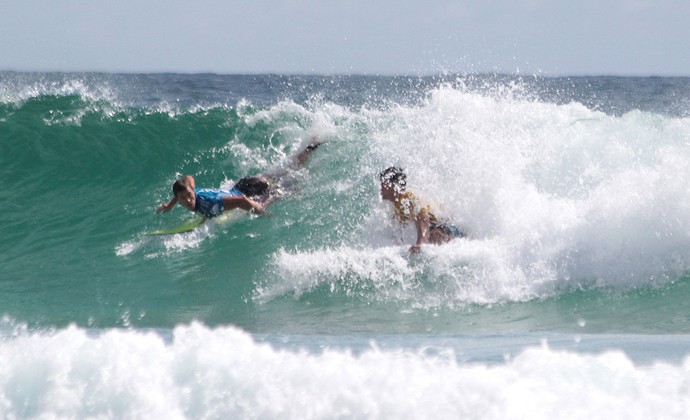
(408, 208)
(251, 193)
(209, 202)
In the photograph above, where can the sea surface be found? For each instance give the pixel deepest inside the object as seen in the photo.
(569, 297)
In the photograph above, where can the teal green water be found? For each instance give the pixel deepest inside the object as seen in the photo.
(85, 167)
(574, 275)
(85, 180)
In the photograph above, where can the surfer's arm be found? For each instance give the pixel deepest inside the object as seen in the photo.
(188, 183)
(422, 223)
(167, 206)
(242, 202)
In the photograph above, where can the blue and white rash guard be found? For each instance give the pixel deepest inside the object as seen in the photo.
(209, 201)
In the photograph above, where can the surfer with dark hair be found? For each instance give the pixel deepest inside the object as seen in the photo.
(408, 208)
(251, 193)
(209, 202)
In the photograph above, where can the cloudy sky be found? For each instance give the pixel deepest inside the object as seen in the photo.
(550, 37)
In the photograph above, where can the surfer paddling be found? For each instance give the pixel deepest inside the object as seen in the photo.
(209, 202)
(251, 193)
(408, 208)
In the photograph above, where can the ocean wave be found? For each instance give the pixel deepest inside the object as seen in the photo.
(553, 197)
(198, 372)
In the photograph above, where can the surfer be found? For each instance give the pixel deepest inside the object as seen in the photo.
(408, 208)
(251, 193)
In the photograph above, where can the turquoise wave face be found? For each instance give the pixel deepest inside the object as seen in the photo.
(571, 211)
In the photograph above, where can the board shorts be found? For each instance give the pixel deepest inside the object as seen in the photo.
(209, 201)
(447, 228)
(253, 186)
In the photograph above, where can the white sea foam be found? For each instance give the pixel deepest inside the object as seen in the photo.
(225, 373)
(552, 197)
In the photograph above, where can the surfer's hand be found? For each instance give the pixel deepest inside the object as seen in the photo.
(164, 208)
(167, 206)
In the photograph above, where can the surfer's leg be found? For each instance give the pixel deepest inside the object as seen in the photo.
(304, 154)
(280, 179)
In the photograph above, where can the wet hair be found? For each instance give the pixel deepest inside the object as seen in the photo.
(180, 185)
(252, 186)
(394, 176)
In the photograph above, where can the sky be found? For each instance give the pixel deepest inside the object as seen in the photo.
(375, 37)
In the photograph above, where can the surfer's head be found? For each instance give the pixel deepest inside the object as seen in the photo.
(393, 182)
(184, 193)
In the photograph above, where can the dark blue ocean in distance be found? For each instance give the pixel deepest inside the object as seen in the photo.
(568, 298)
